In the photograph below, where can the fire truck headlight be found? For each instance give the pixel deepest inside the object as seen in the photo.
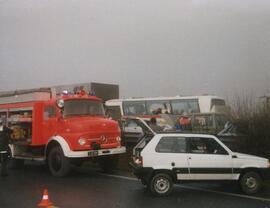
(118, 139)
(60, 103)
(82, 141)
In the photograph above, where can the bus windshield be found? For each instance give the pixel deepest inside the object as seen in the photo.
(83, 108)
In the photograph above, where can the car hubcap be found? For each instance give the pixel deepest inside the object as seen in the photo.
(251, 183)
(162, 185)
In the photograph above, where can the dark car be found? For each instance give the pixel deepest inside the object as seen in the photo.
(133, 129)
(207, 123)
(233, 137)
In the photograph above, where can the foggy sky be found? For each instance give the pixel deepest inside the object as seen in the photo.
(148, 47)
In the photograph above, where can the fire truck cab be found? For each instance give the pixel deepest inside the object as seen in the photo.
(60, 130)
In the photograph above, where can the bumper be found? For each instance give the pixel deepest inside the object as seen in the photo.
(141, 172)
(95, 153)
(265, 173)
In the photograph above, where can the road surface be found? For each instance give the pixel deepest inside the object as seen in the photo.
(88, 187)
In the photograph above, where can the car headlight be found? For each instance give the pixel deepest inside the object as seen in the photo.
(82, 141)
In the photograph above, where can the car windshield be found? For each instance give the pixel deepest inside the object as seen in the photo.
(83, 108)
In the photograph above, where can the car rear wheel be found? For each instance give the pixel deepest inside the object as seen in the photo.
(250, 182)
(161, 184)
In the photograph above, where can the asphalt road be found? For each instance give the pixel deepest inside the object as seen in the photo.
(87, 187)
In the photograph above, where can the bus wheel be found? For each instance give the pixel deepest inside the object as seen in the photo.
(108, 163)
(59, 165)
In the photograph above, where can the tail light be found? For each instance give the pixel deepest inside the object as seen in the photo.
(268, 163)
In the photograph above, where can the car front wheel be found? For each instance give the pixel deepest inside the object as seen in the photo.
(251, 182)
(161, 184)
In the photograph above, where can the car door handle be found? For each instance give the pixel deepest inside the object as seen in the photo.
(173, 164)
(189, 158)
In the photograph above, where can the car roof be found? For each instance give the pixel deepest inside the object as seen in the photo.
(183, 134)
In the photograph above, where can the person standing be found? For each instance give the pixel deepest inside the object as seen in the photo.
(185, 123)
(4, 148)
(154, 126)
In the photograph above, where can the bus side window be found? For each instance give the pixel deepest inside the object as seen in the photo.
(158, 107)
(185, 106)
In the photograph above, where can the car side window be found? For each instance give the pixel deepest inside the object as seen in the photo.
(199, 145)
(172, 145)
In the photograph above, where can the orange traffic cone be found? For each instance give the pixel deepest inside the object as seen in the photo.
(45, 202)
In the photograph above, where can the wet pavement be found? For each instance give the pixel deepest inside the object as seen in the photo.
(89, 187)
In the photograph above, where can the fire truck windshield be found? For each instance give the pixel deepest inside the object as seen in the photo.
(83, 108)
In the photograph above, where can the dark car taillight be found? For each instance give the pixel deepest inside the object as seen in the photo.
(138, 161)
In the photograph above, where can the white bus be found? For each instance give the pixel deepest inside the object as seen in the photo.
(178, 105)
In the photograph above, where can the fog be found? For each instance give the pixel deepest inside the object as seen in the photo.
(148, 47)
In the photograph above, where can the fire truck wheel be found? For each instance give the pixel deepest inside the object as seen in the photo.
(108, 163)
(59, 165)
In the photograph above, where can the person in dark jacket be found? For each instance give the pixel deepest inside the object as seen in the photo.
(4, 148)
(154, 126)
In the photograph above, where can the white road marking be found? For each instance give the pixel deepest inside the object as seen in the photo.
(193, 188)
(223, 193)
(121, 177)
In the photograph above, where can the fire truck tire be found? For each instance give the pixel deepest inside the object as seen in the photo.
(108, 163)
(59, 165)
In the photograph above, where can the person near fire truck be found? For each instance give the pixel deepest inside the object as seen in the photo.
(5, 133)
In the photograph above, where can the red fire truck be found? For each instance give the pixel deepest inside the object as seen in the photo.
(60, 130)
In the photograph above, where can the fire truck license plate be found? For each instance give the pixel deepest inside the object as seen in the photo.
(93, 153)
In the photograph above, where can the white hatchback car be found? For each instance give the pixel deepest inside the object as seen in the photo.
(170, 158)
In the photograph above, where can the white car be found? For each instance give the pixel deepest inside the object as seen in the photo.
(170, 158)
